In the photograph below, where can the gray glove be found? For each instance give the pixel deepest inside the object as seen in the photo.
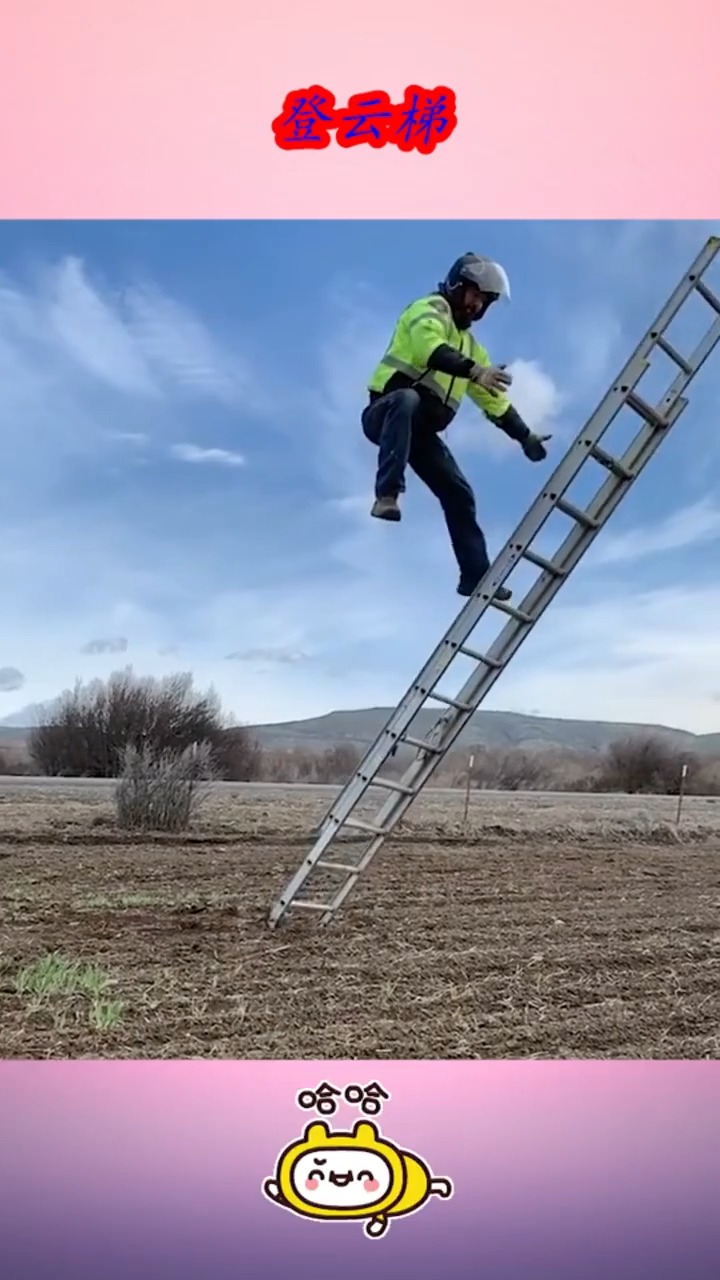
(492, 378)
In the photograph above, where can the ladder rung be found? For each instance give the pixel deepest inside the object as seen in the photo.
(541, 562)
(421, 744)
(309, 906)
(575, 513)
(390, 784)
(645, 410)
(449, 702)
(670, 351)
(612, 464)
(494, 663)
(338, 866)
(512, 612)
(708, 295)
(359, 824)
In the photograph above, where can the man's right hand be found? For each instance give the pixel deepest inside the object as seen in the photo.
(492, 378)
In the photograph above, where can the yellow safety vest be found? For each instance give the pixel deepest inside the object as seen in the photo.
(423, 326)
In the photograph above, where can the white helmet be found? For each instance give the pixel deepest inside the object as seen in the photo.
(487, 275)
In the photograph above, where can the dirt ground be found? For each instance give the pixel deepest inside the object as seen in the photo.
(551, 927)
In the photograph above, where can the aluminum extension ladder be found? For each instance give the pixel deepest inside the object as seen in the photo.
(342, 871)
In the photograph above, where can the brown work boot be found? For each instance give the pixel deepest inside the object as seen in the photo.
(386, 509)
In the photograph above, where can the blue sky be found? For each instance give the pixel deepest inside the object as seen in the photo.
(185, 485)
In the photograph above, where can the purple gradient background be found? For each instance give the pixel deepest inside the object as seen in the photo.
(574, 1171)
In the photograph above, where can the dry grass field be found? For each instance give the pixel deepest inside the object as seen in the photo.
(553, 926)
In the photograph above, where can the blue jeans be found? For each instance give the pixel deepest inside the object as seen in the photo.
(395, 424)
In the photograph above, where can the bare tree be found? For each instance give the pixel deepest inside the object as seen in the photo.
(509, 770)
(88, 729)
(337, 763)
(300, 764)
(238, 755)
(643, 763)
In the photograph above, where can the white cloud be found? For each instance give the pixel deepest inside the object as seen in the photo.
(647, 657)
(268, 655)
(137, 341)
(11, 679)
(117, 644)
(535, 394)
(621, 273)
(91, 331)
(194, 454)
(626, 257)
(130, 437)
(62, 585)
(179, 347)
(687, 527)
(593, 336)
(85, 369)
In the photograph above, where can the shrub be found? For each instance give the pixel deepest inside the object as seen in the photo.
(642, 763)
(162, 790)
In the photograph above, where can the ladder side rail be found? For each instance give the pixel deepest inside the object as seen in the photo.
(695, 362)
(302, 874)
(349, 884)
(545, 588)
(566, 471)
(604, 502)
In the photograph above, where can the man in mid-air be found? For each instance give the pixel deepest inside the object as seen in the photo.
(415, 392)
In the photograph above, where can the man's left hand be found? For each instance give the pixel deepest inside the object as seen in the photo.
(534, 447)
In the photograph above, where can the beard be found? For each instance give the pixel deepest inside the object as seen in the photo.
(466, 319)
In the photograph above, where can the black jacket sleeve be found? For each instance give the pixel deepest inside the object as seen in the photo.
(512, 424)
(447, 360)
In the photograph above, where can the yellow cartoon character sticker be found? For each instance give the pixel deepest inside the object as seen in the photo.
(333, 1175)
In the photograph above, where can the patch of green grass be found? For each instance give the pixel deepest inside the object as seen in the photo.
(54, 977)
(161, 898)
(106, 1014)
(122, 901)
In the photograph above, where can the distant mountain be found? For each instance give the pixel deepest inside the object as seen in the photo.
(487, 728)
(8, 733)
(26, 718)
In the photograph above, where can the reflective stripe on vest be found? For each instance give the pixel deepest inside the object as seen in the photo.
(427, 379)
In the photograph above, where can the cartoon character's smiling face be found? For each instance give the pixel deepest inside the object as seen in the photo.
(342, 1177)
